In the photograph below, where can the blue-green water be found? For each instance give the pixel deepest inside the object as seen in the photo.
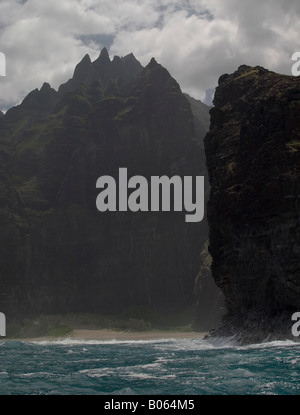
(165, 367)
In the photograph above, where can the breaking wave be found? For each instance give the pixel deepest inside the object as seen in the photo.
(151, 367)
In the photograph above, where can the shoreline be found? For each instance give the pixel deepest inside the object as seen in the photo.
(111, 335)
(82, 334)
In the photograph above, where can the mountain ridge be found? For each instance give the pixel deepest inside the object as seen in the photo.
(60, 254)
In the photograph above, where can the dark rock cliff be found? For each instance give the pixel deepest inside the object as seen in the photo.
(58, 253)
(253, 160)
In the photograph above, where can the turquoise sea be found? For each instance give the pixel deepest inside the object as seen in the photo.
(160, 367)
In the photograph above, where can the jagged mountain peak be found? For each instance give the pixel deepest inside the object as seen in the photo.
(103, 70)
(103, 57)
(81, 69)
(46, 87)
(38, 100)
(129, 57)
(86, 60)
(156, 74)
(153, 61)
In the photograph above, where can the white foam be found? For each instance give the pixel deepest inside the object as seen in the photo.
(275, 343)
(72, 342)
(98, 373)
(124, 391)
(173, 344)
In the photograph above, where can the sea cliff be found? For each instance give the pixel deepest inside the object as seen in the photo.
(253, 161)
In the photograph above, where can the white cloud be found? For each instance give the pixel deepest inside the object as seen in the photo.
(196, 40)
(197, 50)
(40, 43)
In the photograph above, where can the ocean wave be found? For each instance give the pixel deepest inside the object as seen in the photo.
(73, 342)
(190, 366)
(171, 344)
(36, 375)
(123, 391)
(270, 344)
(147, 371)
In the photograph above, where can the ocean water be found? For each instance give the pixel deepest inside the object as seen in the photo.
(160, 367)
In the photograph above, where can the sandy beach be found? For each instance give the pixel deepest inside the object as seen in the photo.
(84, 326)
(105, 335)
(125, 335)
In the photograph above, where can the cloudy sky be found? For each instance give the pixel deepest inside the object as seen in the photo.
(196, 40)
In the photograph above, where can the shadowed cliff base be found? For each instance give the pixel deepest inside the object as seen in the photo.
(253, 161)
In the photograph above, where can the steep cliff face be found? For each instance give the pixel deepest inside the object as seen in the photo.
(58, 252)
(253, 159)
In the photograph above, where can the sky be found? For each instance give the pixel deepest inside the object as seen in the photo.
(196, 40)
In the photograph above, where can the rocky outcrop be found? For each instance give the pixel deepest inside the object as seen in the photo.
(253, 160)
(58, 252)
